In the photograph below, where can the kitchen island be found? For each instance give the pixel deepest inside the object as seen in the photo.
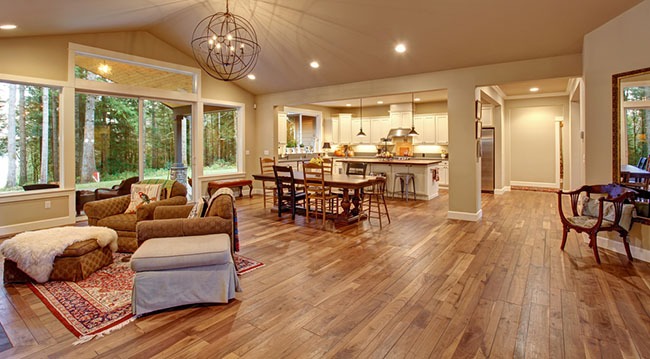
(426, 186)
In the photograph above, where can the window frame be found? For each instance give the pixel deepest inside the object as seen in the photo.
(63, 88)
(195, 99)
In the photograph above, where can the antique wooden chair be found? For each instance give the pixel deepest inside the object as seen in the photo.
(599, 208)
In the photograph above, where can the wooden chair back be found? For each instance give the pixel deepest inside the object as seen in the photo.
(287, 194)
(356, 169)
(266, 164)
(328, 165)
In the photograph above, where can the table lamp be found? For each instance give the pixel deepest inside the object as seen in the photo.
(326, 148)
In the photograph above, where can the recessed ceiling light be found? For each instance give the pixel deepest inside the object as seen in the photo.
(314, 64)
(348, 105)
(534, 89)
(8, 27)
(400, 48)
(416, 99)
(251, 76)
(380, 102)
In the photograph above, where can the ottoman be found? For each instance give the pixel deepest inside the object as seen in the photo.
(77, 262)
(174, 271)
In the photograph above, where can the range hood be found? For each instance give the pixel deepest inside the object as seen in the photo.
(398, 132)
(401, 131)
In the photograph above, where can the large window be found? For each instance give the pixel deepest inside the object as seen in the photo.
(167, 139)
(29, 136)
(106, 140)
(220, 141)
(636, 107)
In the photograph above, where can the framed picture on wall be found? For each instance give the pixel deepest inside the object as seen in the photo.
(478, 108)
(478, 129)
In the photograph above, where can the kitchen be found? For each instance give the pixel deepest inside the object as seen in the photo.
(387, 147)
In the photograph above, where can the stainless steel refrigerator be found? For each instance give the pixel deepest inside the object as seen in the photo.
(487, 160)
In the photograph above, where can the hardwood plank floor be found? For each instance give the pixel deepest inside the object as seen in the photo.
(423, 286)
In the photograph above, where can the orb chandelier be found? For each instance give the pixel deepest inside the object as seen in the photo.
(225, 46)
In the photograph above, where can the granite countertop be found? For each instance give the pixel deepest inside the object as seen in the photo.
(416, 162)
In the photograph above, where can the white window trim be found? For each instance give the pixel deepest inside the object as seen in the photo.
(241, 138)
(61, 86)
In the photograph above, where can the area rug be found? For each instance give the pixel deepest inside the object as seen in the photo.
(94, 306)
(245, 264)
(101, 303)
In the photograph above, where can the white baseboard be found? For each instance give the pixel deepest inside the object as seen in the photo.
(534, 184)
(465, 216)
(502, 190)
(31, 226)
(617, 246)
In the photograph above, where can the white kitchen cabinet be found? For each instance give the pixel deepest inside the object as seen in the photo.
(400, 119)
(442, 129)
(345, 128)
(337, 167)
(425, 125)
(379, 127)
(335, 130)
(282, 128)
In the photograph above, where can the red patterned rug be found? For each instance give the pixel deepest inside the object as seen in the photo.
(94, 306)
(245, 264)
(101, 303)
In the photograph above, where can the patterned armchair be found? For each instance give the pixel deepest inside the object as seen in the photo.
(172, 221)
(110, 213)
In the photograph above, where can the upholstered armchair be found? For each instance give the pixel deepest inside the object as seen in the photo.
(172, 221)
(194, 256)
(110, 213)
(118, 190)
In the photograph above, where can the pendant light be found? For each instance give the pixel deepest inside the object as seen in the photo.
(361, 133)
(413, 132)
(225, 46)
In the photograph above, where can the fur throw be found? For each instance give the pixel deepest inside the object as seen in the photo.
(34, 251)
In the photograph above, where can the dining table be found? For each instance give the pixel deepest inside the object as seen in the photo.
(634, 176)
(347, 183)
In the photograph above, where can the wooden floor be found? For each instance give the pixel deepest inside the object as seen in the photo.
(424, 286)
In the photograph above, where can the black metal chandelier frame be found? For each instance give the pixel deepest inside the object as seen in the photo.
(225, 46)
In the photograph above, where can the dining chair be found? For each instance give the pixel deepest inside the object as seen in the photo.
(328, 165)
(356, 169)
(288, 196)
(314, 181)
(268, 188)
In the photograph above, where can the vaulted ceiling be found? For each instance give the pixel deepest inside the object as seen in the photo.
(353, 40)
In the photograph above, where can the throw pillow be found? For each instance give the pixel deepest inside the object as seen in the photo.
(198, 208)
(590, 209)
(142, 194)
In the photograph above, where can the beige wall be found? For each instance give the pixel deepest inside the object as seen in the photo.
(618, 46)
(533, 138)
(46, 57)
(464, 193)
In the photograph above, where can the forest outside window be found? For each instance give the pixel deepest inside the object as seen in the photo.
(220, 141)
(29, 136)
(636, 112)
(106, 141)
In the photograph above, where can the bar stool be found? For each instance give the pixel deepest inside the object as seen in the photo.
(375, 196)
(404, 179)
